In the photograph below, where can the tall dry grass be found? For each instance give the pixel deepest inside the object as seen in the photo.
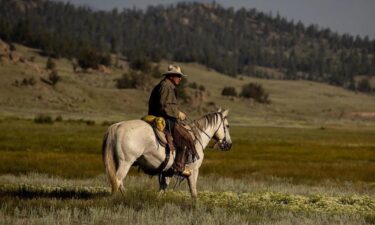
(42, 199)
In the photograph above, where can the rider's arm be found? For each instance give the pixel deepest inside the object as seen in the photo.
(168, 101)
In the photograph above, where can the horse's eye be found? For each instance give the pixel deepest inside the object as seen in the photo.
(227, 126)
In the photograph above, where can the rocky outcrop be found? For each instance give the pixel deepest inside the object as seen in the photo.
(104, 69)
(9, 56)
(15, 56)
(32, 66)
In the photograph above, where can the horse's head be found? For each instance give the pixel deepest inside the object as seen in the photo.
(222, 135)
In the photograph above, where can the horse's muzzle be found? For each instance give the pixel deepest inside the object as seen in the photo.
(225, 146)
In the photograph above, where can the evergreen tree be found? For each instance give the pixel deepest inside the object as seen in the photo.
(50, 64)
(226, 40)
(364, 86)
(291, 73)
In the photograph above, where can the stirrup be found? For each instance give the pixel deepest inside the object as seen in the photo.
(186, 172)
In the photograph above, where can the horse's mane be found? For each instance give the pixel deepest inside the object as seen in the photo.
(207, 120)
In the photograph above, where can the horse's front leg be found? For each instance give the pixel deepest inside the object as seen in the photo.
(192, 180)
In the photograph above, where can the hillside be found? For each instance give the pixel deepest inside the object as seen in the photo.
(94, 96)
(230, 41)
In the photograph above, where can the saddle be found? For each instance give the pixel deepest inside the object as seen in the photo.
(158, 125)
(183, 140)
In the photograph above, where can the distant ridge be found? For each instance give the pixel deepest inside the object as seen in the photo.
(230, 41)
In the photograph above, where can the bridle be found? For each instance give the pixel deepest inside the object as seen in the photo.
(223, 141)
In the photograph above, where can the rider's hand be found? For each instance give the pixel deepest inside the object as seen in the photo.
(181, 115)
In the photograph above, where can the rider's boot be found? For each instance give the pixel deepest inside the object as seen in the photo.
(179, 163)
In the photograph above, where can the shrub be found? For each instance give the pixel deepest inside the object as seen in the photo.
(105, 60)
(256, 92)
(12, 47)
(193, 85)
(54, 77)
(127, 81)
(59, 118)
(90, 122)
(91, 58)
(43, 119)
(28, 81)
(229, 91)
(25, 82)
(364, 86)
(140, 64)
(50, 64)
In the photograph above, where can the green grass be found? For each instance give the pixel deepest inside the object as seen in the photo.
(53, 174)
(302, 155)
(62, 148)
(26, 135)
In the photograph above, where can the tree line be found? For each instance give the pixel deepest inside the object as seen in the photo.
(230, 41)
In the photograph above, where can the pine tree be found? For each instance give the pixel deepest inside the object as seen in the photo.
(50, 64)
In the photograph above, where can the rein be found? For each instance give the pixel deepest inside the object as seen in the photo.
(196, 125)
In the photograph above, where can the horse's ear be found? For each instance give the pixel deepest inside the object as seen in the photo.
(219, 109)
(225, 113)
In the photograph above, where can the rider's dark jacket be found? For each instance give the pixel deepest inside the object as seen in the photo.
(163, 100)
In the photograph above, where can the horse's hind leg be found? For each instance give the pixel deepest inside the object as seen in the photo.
(163, 183)
(121, 173)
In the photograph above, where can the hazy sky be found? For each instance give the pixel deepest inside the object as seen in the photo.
(345, 16)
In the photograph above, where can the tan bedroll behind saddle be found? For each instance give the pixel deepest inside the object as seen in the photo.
(158, 124)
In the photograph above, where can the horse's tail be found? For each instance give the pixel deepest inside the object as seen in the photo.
(108, 154)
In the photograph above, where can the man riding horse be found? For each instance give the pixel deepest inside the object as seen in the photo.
(163, 103)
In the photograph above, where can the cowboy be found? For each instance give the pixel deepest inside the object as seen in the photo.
(163, 103)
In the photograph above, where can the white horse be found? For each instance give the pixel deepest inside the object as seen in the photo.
(134, 141)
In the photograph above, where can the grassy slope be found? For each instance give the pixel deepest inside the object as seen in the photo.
(77, 95)
(294, 103)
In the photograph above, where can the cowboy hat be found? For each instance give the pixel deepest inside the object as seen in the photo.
(174, 70)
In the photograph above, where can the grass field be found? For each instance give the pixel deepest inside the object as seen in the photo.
(306, 158)
(41, 199)
(53, 174)
(295, 153)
